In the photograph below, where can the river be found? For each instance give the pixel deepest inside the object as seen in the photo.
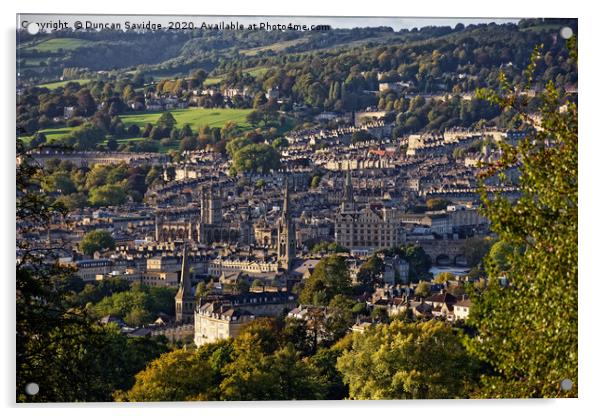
(457, 271)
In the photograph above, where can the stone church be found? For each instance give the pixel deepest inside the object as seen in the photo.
(205, 227)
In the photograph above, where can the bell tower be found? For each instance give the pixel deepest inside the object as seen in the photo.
(286, 233)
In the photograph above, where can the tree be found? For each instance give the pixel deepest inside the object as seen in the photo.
(188, 143)
(340, 317)
(437, 204)
(415, 255)
(73, 201)
(326, 247)
(444, 277)
(254, 118)
(166, 122)
(107, 195)
(201, 290)
(112, 144)
(296, 332)
(97, 240)
(59, 347)
(329, 278)
(260, 371)
(84, 137)
(256, 158)
(476, 248)
(423, 289)
(137, 306)
(528, 331)
(324, 367)
(379, 315)
(59, 182)
(371, 272)
(498, 259)
(175, 376)
(315, 181)
(407, 361)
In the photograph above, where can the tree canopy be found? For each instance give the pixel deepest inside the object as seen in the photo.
(407, 361)
(329, 278)
(97, 240)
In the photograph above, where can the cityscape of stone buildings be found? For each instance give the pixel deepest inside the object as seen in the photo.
(202, 225)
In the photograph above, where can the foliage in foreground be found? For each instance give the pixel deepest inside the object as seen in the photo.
(528, 331)
(408, 361)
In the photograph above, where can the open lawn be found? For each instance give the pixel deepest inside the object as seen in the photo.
(57, 84)
(276, 47)
(257, 71)
(196, 117)
(254, 72)
(53, 45)
(51, 134)
(212, 81)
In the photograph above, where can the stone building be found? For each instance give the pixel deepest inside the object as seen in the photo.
(225, 316)
(207, 227)
(368, 229)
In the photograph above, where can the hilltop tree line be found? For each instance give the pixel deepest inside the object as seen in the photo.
(455, 61)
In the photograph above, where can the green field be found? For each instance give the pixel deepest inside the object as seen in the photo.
(257, 71)
(52, 133)
(212, 81)
(53, 45)
(276, 47)
(254, 72)
(57, 84)
(196, 117)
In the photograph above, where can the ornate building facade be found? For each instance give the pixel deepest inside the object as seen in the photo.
(366, 229)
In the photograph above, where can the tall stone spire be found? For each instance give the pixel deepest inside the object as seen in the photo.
(286, 233)
(285, 205)
(348, 204)
(185, 301)
(185, 274)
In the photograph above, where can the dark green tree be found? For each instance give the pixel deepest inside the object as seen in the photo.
(97, 240)
(329, 278)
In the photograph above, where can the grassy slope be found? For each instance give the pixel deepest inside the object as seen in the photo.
(196, 117)
(53, 45)
(254, 72)
(276, 47)
(57, 84)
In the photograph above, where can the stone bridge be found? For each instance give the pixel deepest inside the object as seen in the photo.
(444, 252)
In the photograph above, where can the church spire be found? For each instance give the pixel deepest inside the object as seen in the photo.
(348, 187)
(348, 193)
(286, 233)
(185, 301)
(185, 285)
(286, 203)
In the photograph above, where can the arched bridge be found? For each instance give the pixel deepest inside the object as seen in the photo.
(444, 252)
